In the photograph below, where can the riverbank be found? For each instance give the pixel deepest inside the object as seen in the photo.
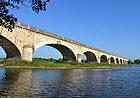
(55, 65)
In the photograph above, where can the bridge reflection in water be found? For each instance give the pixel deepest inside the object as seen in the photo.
(15, 82)
(100, 83)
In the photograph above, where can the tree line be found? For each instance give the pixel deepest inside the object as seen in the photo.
(137, 61)
(50, 59)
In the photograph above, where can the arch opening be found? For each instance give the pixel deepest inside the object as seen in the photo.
(47, 53)
(121, 61)
(12, 52)
(84, 58)
(2, 54)
(64, 52)
(90, 57)
(117, 60)
(104, 59)
(112, 61)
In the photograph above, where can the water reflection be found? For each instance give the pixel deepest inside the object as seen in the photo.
(44, 82)
(2, 77)
(105, 83)
(16, 82)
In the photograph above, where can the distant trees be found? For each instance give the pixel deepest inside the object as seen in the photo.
(7, 18)
(37, 59)
(2, 58)
(130, 62)
(50, 59)
(137, 61)
(84, 61)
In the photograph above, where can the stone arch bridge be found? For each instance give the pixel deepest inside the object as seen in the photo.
(25, 40)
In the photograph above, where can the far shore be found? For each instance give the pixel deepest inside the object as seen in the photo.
(40, 64)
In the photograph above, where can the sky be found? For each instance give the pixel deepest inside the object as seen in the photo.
(110, 25)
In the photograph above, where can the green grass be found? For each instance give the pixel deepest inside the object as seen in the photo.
(55, 65)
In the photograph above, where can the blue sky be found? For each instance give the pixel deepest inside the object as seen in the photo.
(110, 25)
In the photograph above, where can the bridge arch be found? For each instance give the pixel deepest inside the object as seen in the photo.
(112, 61)
(117, 61)
(66, 51)
(104, 59)
(90, 57)
(121, 61)
(11, 50)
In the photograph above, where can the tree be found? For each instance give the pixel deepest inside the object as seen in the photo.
(137, 61)
(7, 18)
(130, 62)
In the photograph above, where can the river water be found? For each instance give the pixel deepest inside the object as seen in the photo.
(95, 83)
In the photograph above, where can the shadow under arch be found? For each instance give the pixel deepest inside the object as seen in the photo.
(90, 57)
(104, 59)
(67, 53)
(112, 61)
(12, 52)
(117, 60)
(121, 61)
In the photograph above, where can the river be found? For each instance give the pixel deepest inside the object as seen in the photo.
(97, 83)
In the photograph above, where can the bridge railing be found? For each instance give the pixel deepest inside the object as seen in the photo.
(37, 30)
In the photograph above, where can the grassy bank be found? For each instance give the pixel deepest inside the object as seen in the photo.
(55, 65)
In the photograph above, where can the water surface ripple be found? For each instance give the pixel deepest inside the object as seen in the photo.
(97, 83)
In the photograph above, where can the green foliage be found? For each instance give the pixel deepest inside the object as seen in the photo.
(14, 62)
(55, 65)
(137, 61)
(130, 62)
(7, 18)
(59, 60)
(74, 63)
(84, 61)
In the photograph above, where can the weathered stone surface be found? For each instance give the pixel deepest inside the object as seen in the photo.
(25, 40)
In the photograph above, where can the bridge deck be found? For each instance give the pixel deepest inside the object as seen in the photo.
(37, 30)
